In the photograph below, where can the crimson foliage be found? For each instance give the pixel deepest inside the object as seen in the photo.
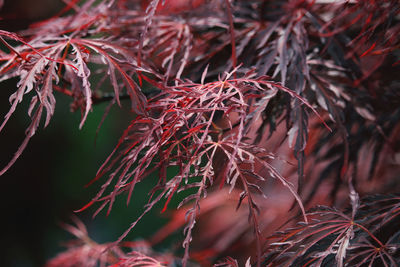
(229, 94)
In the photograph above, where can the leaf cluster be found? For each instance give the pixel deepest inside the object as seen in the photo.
(217, 98)
(366, 235)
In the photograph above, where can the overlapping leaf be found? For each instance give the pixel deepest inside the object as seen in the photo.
(352, 238)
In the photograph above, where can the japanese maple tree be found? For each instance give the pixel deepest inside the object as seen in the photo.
(266, 114)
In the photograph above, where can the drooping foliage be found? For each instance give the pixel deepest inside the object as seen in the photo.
(367, 235)
(295, 101)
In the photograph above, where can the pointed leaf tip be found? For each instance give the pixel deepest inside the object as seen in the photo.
(85, 207)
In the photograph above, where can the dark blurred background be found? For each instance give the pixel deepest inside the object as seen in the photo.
(47, 183)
